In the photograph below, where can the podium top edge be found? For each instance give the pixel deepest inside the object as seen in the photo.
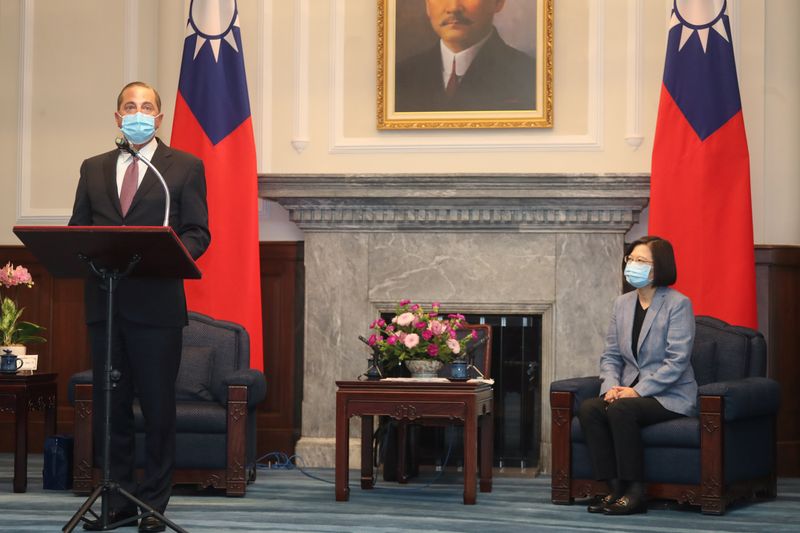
(117, 229)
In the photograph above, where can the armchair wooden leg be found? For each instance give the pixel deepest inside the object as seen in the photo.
(82, 451)
(561, 421)
(237, 439)
(712, 481)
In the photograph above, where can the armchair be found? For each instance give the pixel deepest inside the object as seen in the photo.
(217, 394)
(725, 453)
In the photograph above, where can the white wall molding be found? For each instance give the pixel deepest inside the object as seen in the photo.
(130, 41)
(26, 213)
(633, 133)
(300, 124)
(263, 89)
(416, 142)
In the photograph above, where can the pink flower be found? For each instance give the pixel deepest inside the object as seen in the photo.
(11, 277)
(389, 329)
(454, 346)
(372, 340)
(433, 350)
(474, 335)
(405, 319)
(414, 307)
(436, 305)
(411, 340)
(391, 340)
(401, 336)
(420, 324)
(404, 302)
(381, 322)
(437, 327)
(427, 334)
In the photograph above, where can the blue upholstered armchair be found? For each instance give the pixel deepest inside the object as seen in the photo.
(725, 453)
(217, 393)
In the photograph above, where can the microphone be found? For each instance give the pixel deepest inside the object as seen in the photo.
(125, 145)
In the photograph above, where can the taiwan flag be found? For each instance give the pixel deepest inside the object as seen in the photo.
(212, 121)
(700, 184)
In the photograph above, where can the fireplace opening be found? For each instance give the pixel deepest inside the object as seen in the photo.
(516, 371)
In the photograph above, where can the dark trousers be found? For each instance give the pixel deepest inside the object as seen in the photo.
(148, 359)
(613, 434)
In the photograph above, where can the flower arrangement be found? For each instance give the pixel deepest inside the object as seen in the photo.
(12, 329)
(418, 334)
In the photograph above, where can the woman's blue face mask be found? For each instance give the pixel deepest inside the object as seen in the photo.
(638, 274)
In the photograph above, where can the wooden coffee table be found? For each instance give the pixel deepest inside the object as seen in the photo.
(20, 393)
(470, 402)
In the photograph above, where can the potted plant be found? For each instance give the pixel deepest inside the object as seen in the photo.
(422, 340)
(15, 333)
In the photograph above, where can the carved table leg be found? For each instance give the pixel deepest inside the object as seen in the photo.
(487, 451)
(367, 476)
(21, 447)
(342, 449)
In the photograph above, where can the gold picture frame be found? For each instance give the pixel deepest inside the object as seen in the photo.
(412, 89)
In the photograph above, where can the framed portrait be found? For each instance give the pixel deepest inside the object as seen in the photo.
(471, 64)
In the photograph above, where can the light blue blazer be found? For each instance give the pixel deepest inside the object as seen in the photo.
(665, 349)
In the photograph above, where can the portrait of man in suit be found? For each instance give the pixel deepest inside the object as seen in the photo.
(470, 67)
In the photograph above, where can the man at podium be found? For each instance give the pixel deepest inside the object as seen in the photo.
(116, 189)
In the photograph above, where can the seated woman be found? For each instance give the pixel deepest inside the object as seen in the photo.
(646, 375)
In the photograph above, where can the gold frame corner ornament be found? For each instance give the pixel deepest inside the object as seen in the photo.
(539, 117)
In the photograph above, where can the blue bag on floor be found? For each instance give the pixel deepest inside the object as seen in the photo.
(57, 472)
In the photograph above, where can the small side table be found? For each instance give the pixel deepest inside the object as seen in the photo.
(20, 393)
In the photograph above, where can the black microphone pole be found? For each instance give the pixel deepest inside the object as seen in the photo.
(124, 144)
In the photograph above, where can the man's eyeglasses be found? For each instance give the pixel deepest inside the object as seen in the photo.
(632, 259)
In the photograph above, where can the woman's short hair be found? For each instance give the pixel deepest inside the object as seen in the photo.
(665, 273)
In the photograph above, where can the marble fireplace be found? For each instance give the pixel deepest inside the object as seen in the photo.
(539, 244)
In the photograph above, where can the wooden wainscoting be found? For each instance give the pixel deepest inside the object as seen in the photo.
(778, 292)
(57, 304)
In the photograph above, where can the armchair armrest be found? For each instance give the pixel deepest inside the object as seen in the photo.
(745, 398)
(581, 388)
(78, 379)
(253, 379)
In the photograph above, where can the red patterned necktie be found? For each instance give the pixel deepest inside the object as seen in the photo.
(452, 82)
(129, 185)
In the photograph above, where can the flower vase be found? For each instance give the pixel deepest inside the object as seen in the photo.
(16, 349)
(423, 368)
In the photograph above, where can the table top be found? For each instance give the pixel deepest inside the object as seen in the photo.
(413, 384)
(25, 377)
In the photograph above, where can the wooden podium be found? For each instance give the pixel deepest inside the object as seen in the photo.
(110, 253)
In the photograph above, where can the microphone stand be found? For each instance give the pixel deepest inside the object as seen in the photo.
(374, 370)
(471, 356)
(124, 144)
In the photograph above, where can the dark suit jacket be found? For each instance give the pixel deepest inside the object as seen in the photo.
(152, 301)
(663, 364)
(499, 78)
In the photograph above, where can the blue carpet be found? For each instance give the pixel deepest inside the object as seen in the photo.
(288, 501)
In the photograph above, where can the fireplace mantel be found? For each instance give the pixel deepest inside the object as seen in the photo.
(508, 243)
(458, 202)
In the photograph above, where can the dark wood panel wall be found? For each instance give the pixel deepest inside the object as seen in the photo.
(57, 304)
(778, 290)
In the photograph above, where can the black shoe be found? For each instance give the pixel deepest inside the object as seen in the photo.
(600, 503)
(113, 517)
(627, 505)
(152, 523)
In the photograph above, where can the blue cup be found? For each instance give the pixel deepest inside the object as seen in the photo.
(10, 363)
(458, 369)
